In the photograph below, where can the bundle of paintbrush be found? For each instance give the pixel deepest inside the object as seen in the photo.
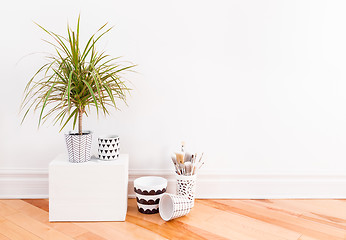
(186, 163)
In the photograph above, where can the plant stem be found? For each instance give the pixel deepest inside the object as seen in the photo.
(80, 120)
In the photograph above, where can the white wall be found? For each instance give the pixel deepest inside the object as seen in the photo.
(259, 86)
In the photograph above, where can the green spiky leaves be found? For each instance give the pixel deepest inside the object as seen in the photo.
(75, 79)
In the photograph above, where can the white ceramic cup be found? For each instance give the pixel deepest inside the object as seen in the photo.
(173, 206)
(148, 191)
(108, 147)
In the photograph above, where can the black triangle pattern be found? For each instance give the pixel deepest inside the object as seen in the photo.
(108, 149)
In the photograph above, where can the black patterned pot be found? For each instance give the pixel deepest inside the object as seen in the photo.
(78, 146)
(108, 147)
(149, 191)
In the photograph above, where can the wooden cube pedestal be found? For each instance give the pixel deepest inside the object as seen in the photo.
(90, 191)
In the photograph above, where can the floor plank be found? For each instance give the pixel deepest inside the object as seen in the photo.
(166, 229)
(39, 229)
(69, 229)
(275, 216)
(89, 236)
(15, 232)
(6, 210)
(234, 224)
(3, 237)
(209, 219)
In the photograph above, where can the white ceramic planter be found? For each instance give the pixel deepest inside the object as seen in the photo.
(148, 191)
(108, 147)
(78, 146)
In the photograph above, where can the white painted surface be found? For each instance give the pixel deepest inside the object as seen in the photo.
(259, 86)
(90, 191)
(26, 183)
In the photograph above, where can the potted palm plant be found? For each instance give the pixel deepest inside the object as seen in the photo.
(72, 82)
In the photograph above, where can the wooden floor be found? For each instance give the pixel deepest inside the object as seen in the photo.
(209, 219)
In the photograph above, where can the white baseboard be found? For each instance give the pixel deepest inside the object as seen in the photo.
(33, 183)
(23, 183)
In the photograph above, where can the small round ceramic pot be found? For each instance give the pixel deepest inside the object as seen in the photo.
(148, 191)
(108, 147)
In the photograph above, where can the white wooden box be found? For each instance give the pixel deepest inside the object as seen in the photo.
(90, 191)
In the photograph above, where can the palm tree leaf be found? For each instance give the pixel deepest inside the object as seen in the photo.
(92, 94)
(44, 104)
(69, 91)
(110, 94)
(75, 112)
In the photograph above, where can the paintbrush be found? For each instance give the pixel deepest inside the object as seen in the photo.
(194, 164)
(197, 165)
(193, 161)
(187, 157)
(200, 158)
(199, 162)
(188, 168)
(180, 161)
(200, 166)
(174, 160)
